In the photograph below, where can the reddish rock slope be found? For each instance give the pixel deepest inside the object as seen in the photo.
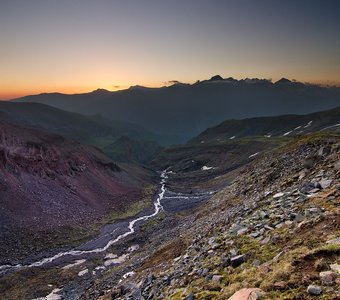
(47, 181)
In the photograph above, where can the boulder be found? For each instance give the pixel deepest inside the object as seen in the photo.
(328, 277)
(314, 290)
(325, 183)
(237, 260)
(248, 294)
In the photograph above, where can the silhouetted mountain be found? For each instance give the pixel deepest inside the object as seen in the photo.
(216, 77)
(186, 110)
(283, 80)
(287, 125)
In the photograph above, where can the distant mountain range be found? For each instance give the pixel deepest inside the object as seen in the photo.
(185, 110)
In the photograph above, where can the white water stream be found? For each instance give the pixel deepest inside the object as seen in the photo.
(131, 230)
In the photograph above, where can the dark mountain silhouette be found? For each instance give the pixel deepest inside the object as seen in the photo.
(283, 80)
(186, 110)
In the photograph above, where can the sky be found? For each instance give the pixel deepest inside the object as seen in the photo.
(75, 46)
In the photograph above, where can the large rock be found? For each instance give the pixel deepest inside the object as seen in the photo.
(248, 294)
(314, 290)
(237, 260)
(335, 268)
(325, 183)
(328, 277)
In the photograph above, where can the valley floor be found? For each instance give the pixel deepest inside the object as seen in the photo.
(273, 227)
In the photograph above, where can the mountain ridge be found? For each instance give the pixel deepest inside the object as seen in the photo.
(188, 109)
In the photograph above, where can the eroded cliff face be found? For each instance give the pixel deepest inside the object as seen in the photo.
(48, 182)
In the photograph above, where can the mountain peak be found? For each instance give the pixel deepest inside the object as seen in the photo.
(216, 78)
(99, 90)
(283, 80)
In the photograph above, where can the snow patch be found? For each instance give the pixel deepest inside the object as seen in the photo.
(76, 263)
(231, 138)
(308, 124)
(128, 274)
(289, 132)
(115, 261)
(205, 168)
(83, 272)
(133, 248)
(296, 128)
(336, 125)
(250, 156)
(52, 296)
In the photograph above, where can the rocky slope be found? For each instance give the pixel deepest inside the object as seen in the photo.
(289, 125)
(49, 184)
(273, 233)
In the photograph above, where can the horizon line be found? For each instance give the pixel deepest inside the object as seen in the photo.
(118, 88)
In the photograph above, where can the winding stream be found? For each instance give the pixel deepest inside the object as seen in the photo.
(131, 229)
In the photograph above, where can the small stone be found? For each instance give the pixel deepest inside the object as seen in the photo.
(208, 277)
(265, 240)
(242, 231)
(237, 260)
(278, 195)
(268, 227)
(276, 258)
(328, 277)
(255, 234)
(280, 285)
(314, 290)
(325, 183)
(256, 263)
(335, 268)
(190, 297)
(217, 278)
(280, 225)
(233, 252)
(299, 218)
(314, 210)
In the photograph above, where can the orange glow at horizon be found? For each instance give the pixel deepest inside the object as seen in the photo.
(80, 46)
(17, 91)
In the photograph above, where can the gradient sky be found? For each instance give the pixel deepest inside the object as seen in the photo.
(80, 45)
